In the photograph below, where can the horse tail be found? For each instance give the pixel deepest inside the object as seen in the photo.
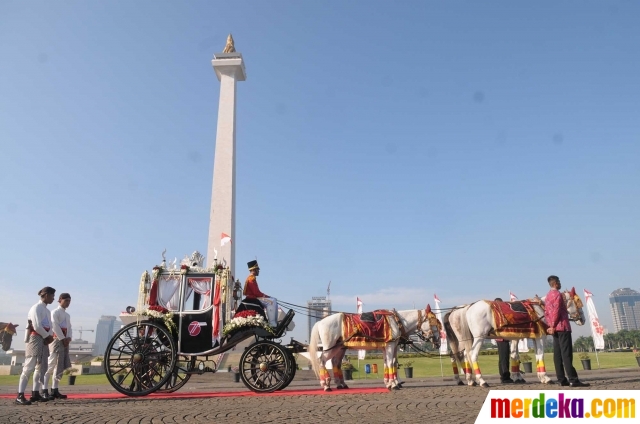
(313, 349)
(461, 334)
(452, 340)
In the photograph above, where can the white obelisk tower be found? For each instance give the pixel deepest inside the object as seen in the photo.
(229, 68)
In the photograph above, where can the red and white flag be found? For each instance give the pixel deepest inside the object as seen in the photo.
(443, 335)
(224, 239)
(361, 353)
(512, 297)
(597, 330)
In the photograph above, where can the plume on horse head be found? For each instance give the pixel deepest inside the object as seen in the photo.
(574, 306)
(7, 331)
(433, 332)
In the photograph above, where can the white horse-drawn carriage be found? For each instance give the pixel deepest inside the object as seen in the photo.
(184, 321)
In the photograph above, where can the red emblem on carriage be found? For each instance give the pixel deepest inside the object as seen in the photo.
(194, 328)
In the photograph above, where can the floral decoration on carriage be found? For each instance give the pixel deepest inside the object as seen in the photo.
(158, 313)
(245, 319)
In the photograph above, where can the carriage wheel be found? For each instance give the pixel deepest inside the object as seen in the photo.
(265, 367)
(140, 358)
(292, 372)
(181, 374)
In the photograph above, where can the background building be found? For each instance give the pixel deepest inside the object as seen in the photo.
(82, 351)
(319, 307)
(625, 309)
(107, 326)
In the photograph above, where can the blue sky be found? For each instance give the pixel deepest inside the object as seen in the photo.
(396, 150)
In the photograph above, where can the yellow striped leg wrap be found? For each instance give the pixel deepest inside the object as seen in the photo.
(515, 365)
(393, 373)
(337, 373)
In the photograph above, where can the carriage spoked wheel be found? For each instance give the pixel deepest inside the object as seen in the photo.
(266, 366)
(292, 372)
(140, 358)
(180, 375)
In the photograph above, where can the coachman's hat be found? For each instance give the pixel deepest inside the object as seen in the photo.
(46, 290)
(252, 265)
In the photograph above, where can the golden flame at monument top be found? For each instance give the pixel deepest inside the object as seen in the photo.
(229, 48)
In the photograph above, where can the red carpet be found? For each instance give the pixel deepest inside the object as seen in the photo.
(190, 395)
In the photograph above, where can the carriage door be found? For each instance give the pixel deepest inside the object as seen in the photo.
(197, 311)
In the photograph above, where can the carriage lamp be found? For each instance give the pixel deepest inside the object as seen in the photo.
(237, 289)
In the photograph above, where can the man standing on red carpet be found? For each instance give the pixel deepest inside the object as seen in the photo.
(38, 336)
(59, 359)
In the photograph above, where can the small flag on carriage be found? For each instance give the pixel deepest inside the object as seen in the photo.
(224, 239)
(512, 297)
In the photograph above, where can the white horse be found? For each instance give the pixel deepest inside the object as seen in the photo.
(340, 331)
(468, 325)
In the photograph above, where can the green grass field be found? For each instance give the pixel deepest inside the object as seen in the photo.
(422, 367)
(430, 367)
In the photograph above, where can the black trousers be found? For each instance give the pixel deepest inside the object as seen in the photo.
(504, 354)
(563, 357)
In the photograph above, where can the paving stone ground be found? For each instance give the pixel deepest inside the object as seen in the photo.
(421, 400)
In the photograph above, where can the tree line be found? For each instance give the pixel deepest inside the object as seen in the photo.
(623, 339)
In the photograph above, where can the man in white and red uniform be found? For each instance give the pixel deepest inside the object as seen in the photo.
(59, 359)
(38, 336)
(252, 292)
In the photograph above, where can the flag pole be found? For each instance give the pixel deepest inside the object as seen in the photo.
(596, 349)
(441, 371)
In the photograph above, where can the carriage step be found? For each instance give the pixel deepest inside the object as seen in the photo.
(279, 330)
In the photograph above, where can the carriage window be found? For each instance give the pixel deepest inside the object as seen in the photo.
(168, 294)
(197, 293)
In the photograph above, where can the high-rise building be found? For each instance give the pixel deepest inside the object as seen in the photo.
(625, 309)
(319, 307)
(107, 327)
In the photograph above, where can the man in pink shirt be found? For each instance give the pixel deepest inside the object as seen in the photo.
(557, 317)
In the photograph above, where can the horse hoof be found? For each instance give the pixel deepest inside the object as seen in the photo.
(327, 389)
(485, 384)
(460, 383)
(473, 383)
(342, 387)
(521, 381)
(400, 385)
(395, 388)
